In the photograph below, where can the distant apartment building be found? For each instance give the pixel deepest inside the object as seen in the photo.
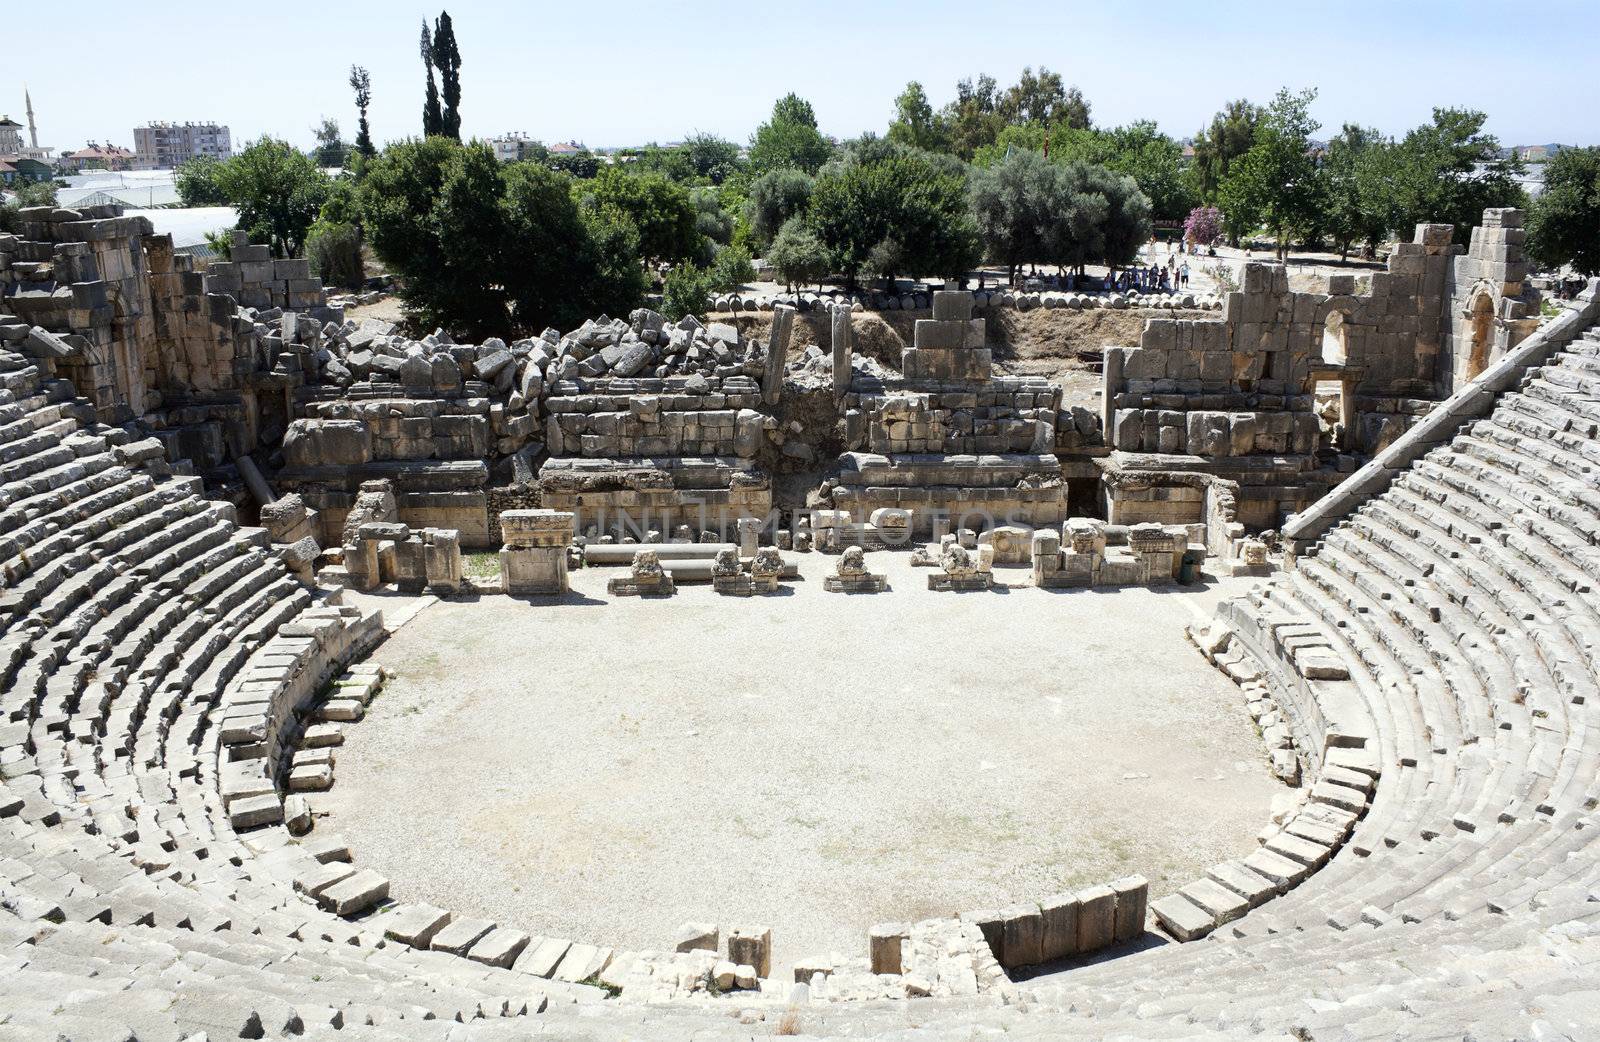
(95, 156)
(166, 146)
(512, 148)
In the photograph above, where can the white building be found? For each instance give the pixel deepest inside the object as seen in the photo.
(166, 146)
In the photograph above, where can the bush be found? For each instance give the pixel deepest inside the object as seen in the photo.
(687, 292)
(776, 196)
(797, 254)
(334, 249)
(731, 269)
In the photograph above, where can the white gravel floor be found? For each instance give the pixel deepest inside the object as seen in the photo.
(605, 770)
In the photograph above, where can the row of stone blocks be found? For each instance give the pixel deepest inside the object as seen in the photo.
(1068, 924)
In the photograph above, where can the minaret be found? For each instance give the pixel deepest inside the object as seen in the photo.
(33, 131)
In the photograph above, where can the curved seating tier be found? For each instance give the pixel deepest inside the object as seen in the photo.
(156, 663)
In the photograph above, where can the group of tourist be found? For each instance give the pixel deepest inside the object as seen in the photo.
(1153, 278)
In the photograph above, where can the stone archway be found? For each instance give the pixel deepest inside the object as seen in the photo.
(1480, 334)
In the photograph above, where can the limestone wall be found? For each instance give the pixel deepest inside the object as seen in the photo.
(1000, 415)
(675, 416)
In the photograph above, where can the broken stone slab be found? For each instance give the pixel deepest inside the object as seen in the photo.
(1097, 918)
(541, 957)
(1223, 905)
(581, 962)
(255, 810)
(1059, 918)
(311, 777)
(415, 925)
(499, 947)
(457, 936)
(1182, 918)
(355, 894)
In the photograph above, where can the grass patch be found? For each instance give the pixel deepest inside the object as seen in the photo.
(594, 981)
(481, 564)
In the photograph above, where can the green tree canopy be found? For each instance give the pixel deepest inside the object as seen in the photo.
(361, 84)
(1564, 225)
(898, 212)
(492, 249)
(659, 208)
(915, 122)
(1276, 182)
(1016, 203)
(797, 254)
(447, 58)
(1230, 135)
(331, 149)
(1450, 171)
(1042, 99)
(197, 182)
(1357, 197)
(776, 196)
(278, 192)
(790, 138)
(974, 118)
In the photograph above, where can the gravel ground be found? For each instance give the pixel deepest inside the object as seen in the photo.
(605, 770)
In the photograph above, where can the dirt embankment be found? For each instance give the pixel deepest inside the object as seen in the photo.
(1056, 343)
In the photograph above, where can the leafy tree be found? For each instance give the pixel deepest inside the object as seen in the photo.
(790, 138)
(1043, 100)
(1203, 226)
(611, 273)
(1138, 150)
(432, 115)
(1357, 198)
(915, 123)
(361, 83)
(278, 191)
(710, 157)
(1450, 171)
(711, 221)
(792, 108)
(731, 269)
(197, 182)
(1106, 218)
(331, 149)
(492, 249)
(447, 58)
(898, 213)
(1016, 204)
(797, 255)
(1564, 225)
(660, 208)
(1230, 135)
(974, 118)
(1276, 181)
(36, 193)
(776, 196)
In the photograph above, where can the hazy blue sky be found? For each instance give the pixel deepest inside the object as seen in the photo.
(609, 72)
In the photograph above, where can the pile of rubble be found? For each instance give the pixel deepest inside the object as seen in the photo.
(644, 345)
